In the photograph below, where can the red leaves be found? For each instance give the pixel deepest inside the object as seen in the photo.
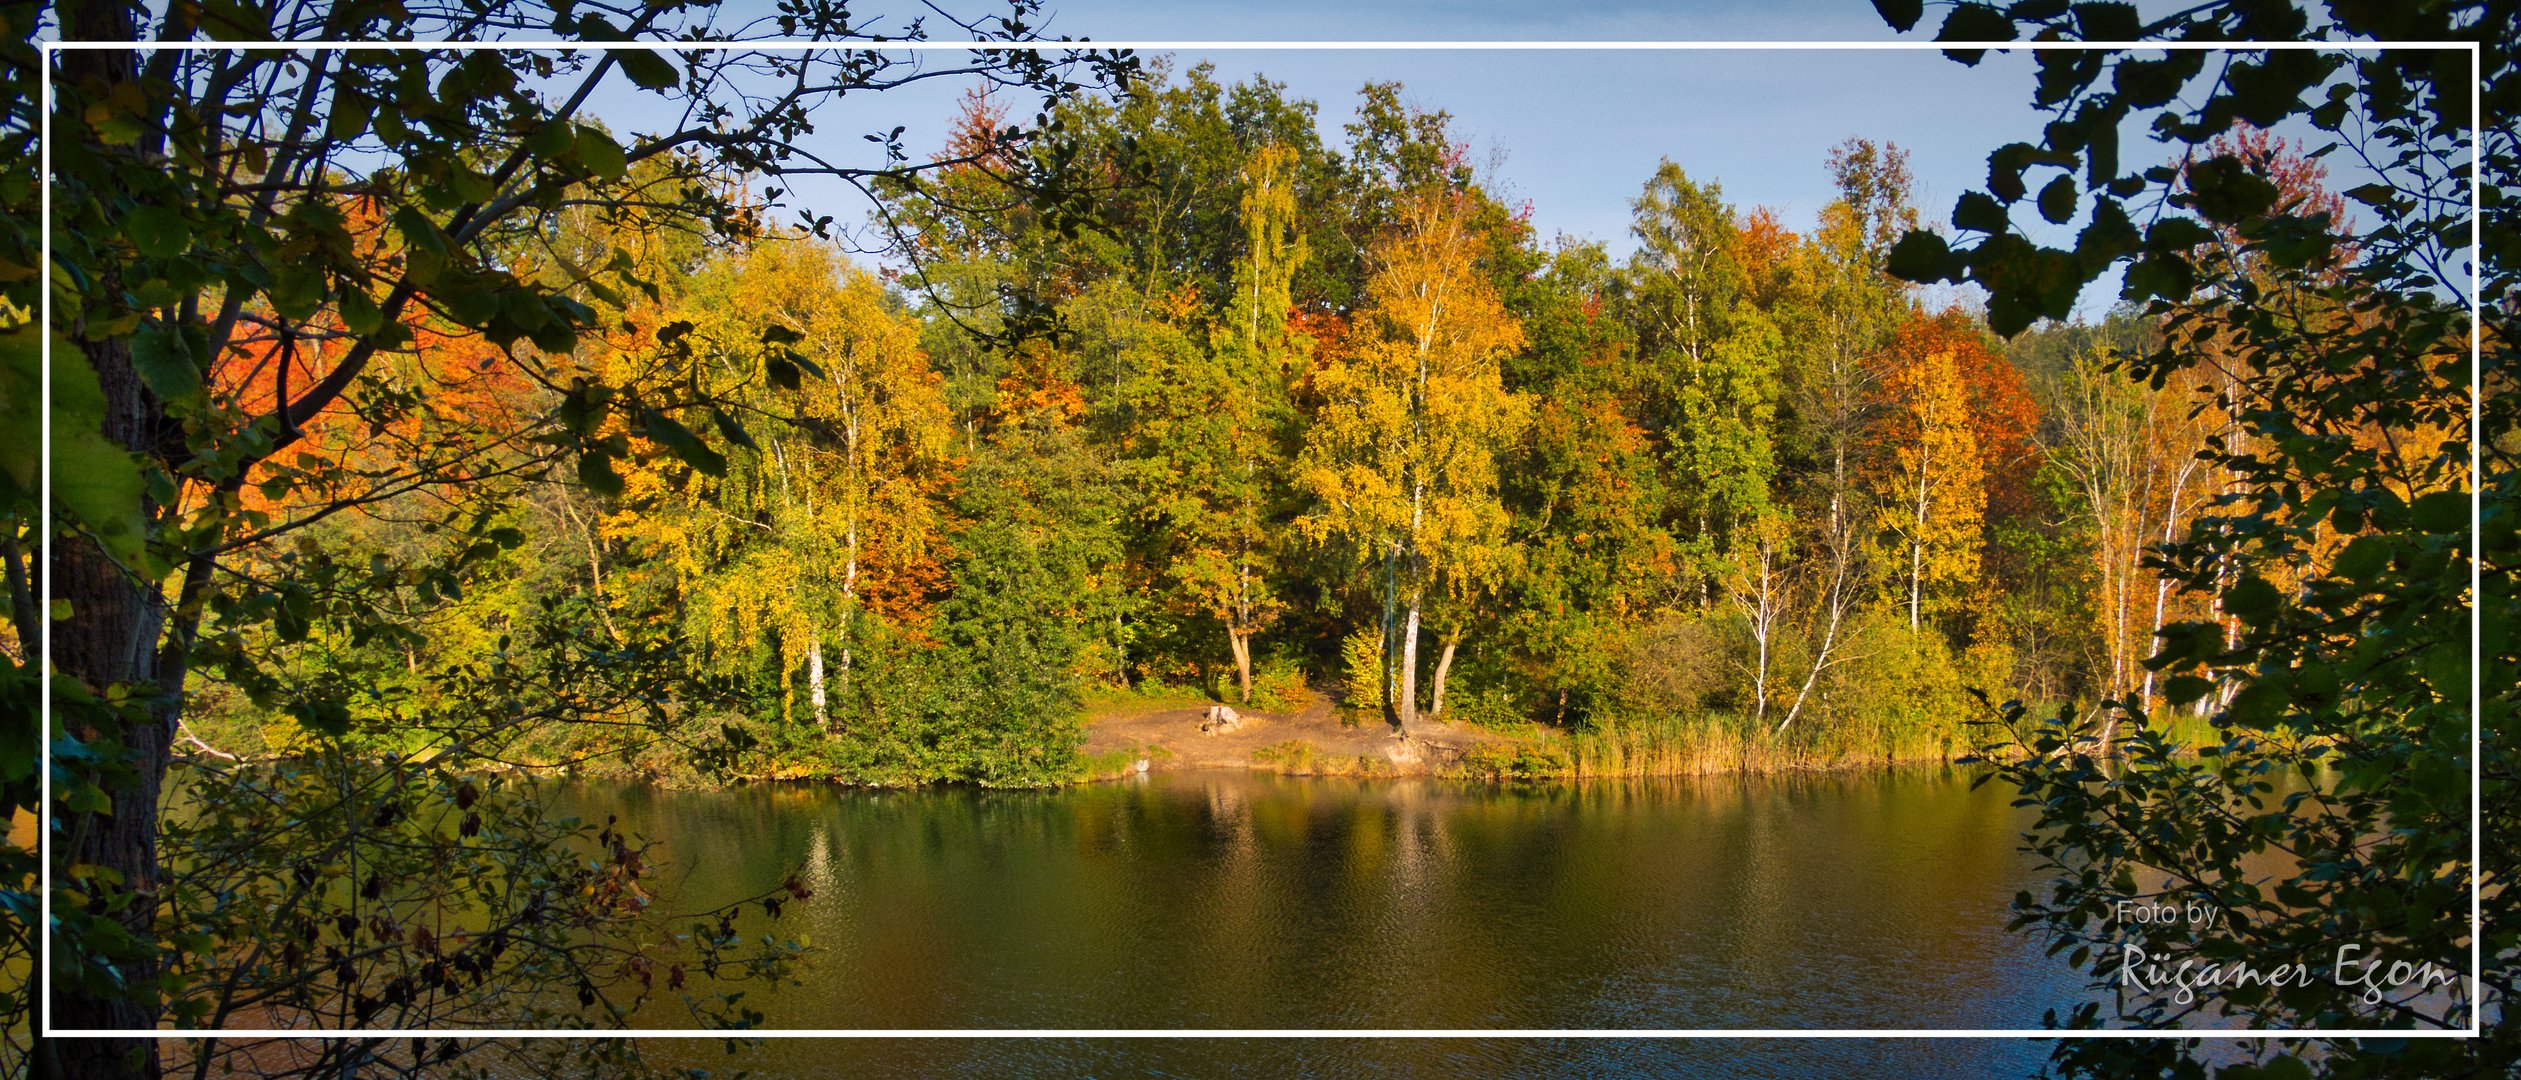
(2003, 415)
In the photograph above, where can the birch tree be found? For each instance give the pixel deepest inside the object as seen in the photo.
(1401, 460)
(1933, 493)
(834, 508)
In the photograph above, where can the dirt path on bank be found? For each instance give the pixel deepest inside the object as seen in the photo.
(1167, 735)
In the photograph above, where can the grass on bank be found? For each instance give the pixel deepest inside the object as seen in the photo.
(1301, 757)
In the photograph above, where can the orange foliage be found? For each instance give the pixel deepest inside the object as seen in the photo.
(2003, 416)
(1037, 384)
(461, 392)
(1767, 250)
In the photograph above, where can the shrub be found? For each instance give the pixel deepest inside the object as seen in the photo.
(1362, 654)
(1674, 667)
(1901, 696)
(1514, 761)
(1493, 707)
(1278, 686)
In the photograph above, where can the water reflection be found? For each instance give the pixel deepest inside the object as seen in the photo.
(1227, 900)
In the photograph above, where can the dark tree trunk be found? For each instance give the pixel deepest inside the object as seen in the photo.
(113, 636)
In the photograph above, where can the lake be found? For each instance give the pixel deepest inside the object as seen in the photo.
(1222, 899)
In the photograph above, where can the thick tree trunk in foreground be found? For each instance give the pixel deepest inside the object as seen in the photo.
(112, 637)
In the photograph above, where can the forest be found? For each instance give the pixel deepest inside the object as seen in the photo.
(1287, 412)
(416, 431)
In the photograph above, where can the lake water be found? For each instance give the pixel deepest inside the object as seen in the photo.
(1235, 900)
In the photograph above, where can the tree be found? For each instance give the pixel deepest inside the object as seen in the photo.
(21, 418)
(198, 196)
(1211, 427)
(2356, 680)
(833, 509)
(1401, 459)
(1932, 489)
(2131, 452)
(1837, 310)
(1587, 489)
(1689, 279)
(1995, 413)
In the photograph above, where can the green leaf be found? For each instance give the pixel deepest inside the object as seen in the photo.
(2441, 512)
(1918, 257)
(554, 337)
(1973, 22)
(2364, 559)
(21, 383)
(730, 430)
(2252, 598)
(2446, 669)
(165, 363)
(418, 230)
(2177, 234)
(649, 69)
(1902, 15)
(782, 374)
(98, 484)
(2224, 189)
(2057, 200)
(551, 140)
(595, 470)
(322, 715)
(600, 154)
(235, 20)
(1976, 212)
(359, 311)
(158, 232)
(2183, 689)
(679, 440)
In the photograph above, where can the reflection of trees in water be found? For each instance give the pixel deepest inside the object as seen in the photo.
(1229, 899)
(819, 872)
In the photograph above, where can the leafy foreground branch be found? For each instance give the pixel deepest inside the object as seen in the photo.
(2330, 822)
(258, 252)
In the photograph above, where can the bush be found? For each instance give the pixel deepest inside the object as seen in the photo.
(1278, 686)
(1362, 654)
(1493, 707)
(1514, 761)
(1901, 696)
(1673, 667)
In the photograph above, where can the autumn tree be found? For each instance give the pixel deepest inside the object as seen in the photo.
(1588, 487)
(2355, 683)
(1210, 426)
(829, 506)
(1931, 486)
(1401, 458)
(195, 208)
(1837, 309)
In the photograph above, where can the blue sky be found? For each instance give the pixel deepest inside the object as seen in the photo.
(1574, 132)
(1578, 132)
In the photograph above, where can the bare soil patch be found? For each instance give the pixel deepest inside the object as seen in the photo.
(1168, 736)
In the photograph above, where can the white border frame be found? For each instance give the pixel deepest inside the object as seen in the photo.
(42, 981)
